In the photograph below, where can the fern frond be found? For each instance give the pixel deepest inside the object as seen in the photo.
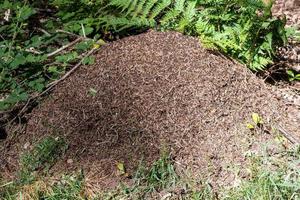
(122, 4)
(132, 7)
(179, 5)
(139, 8)
(159, 8)
(121, 23)
(171, 15)
(252, 3)
(188, 16)
(174, 12)
(148, 7)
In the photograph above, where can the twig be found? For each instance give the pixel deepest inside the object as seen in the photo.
(293, 104)
(44, 31)
(288, 135)
(32, 50)
(6, 184)
(64, 47)
(83, 30)
(67, 32)
(54, 83)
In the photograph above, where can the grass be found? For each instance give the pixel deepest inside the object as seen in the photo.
(275, 176)
(38, 160)
(41, 157)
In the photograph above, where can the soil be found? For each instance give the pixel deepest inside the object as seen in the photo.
(290, 8)
(149, 92)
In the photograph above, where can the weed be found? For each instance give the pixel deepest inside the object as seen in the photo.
(274, 177)
(293, 76)
(29, 51)
(162, 174)
(42, 157)
(68, 188)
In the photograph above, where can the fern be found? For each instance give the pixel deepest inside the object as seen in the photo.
(139, 8)
(179, 5)
(188, 16)
(121, 23)
(159, 8)
(132, 7)
(231, 26)
(148, 7)
(124, 5)
(173, 13)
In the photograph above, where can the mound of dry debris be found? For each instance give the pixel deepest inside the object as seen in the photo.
(153, 91)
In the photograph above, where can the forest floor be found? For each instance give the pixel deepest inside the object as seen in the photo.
(158, 92)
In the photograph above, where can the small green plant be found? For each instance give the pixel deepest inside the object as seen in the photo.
(162, 174)
(293, 76)
(92, 92)
(30, 51)
(41, 157)
(69, 188)
(257, 121)
(244, 30)
(147, 181)
(273, 177)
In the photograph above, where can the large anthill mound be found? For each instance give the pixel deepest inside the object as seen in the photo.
(148, 92)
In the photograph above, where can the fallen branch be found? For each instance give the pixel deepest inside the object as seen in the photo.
(64, 47)
(44, 31)
(69, 33)
(52, 84)
(288, 135)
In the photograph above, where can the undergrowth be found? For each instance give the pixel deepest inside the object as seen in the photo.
(244, 30)
(31, 53)
(41, 158)
(32, 34)
(271, 176)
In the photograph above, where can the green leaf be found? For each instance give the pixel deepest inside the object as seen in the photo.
(68, 57)
(88, 60)
(18, 60)
(250, 126)
(257, 119)
(121, 168)
(52, 69)
(38, 84)
(92, 92)
(25, 12)
(85, 45)
(290, 73)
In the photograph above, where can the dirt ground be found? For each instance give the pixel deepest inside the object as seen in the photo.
(290, 8)
(154, 91)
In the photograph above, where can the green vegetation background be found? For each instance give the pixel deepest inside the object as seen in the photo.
(41, 40)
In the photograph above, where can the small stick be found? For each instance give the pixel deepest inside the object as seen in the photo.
(6, 184)
(63, 47)
(44, 31)
(67, 32)
(83, 30)
(54, 83)
(288, 135)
